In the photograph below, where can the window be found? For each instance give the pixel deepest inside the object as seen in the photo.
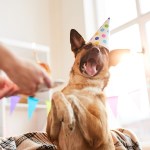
(148, 32)
(130, 79)
(145, 6)
(121, 11)
(127, 38)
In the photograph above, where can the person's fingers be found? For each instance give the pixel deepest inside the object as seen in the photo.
(26, 92)
(4, 92)
(13, 90)
(47, 81)
(2, 82)
(5, 88)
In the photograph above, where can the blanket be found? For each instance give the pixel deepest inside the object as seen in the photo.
(123, 140)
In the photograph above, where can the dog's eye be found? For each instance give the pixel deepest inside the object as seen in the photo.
(103, 50)
(88, 46)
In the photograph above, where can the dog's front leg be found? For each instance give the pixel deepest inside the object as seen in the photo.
(53, 123)
(61, 112)
(93, 129)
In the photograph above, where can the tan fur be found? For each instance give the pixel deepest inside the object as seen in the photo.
(78, 117)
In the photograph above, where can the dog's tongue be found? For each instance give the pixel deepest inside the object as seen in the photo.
(90, 68)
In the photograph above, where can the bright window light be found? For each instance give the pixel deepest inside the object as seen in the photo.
(145, 6)
(121, 11)
(148, 32)
(130, 86)
(128, 38)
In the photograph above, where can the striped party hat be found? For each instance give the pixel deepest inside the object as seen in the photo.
(101, 37)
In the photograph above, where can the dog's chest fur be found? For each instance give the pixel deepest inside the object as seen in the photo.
(87, 96)
(93, 100)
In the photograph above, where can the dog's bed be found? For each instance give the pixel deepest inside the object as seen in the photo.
(123, 140)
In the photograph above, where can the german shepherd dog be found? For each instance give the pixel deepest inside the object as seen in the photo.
(78, 116)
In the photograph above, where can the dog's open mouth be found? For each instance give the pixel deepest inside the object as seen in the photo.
(90, 67)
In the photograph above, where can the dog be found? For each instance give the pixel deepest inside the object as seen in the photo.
(78, 117)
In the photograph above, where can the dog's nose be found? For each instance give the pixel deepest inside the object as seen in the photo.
(96, 50)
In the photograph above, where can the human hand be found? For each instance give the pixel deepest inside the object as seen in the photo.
(7, 87)
(27, 76)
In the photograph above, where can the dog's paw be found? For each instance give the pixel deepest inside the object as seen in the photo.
(68, 117)
(64, 110)
(71, 126)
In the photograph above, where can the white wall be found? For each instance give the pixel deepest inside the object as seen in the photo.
(26, 20)
(66, 14)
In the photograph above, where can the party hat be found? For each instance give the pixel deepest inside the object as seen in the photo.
(101, 37)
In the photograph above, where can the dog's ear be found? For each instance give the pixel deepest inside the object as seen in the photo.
(115, 56)
(76, 41)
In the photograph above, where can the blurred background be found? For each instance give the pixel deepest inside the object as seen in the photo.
(48, 22)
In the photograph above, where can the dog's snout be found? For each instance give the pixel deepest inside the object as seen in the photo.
(96, 50)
